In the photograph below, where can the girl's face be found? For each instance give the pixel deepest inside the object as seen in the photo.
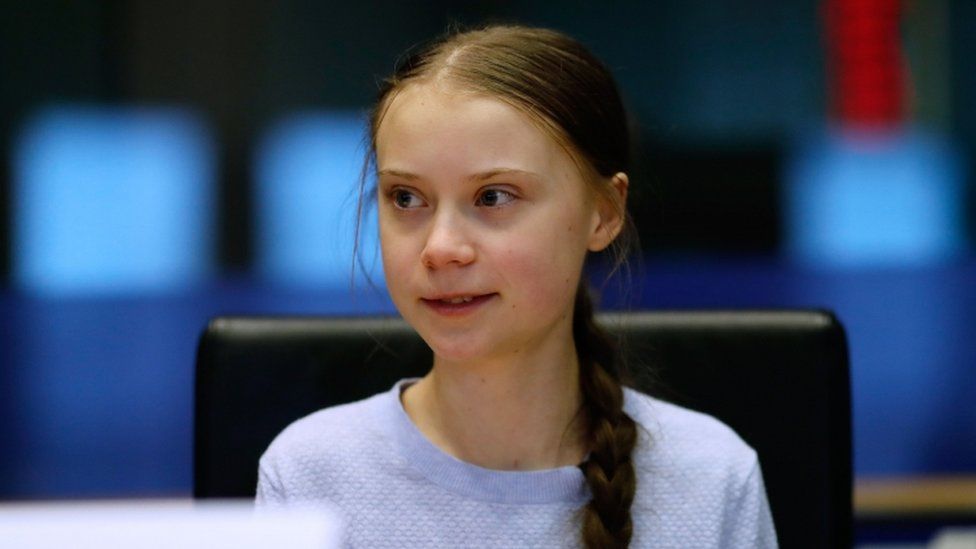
(484, 224)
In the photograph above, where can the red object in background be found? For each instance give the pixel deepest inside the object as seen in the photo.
(866, 68)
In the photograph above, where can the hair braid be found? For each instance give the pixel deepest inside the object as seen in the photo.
(612, 434)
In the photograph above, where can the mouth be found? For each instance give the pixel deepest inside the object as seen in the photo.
(457, 304)
(456, 300)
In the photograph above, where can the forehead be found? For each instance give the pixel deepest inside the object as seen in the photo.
(435, 126)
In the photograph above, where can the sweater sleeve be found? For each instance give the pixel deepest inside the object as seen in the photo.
(748, 522)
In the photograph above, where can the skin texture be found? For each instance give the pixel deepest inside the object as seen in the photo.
(476, 200)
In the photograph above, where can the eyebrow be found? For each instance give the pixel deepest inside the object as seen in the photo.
(501, 171)
(397, 173)
(481, 176)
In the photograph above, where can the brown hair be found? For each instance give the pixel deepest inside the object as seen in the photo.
(567, 91)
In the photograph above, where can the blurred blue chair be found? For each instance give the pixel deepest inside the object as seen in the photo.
(857, 199)
(113, 207)
(111, 200)
(308, 169)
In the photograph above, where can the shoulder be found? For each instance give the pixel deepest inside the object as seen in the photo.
(681, 443)
(327, 439)
(699, 484)
(338, 420)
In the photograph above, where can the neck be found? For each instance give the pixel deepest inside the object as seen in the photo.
(513, 413)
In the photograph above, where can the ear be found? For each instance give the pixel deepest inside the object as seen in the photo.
(610, 213)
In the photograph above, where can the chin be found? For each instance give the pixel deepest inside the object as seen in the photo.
(456, 350)
(460, 347)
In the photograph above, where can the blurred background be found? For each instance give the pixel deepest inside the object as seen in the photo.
(165, 162)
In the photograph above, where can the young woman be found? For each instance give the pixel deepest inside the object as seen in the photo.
(501, 160)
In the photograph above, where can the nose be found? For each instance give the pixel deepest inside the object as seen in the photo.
(447, 242)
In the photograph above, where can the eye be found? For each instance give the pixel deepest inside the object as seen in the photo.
(405, 199)
(494, 197)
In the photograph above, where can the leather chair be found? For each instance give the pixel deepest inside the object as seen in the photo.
(779, 378)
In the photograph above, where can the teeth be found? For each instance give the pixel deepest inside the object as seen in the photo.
(457, 300)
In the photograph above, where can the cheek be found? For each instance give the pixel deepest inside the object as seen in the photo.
(546, 270)
(398, 258)
(398, 274)
(391, 233)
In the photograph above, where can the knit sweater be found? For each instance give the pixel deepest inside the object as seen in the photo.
(698, 483)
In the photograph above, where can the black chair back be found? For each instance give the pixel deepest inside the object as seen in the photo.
(779, 378)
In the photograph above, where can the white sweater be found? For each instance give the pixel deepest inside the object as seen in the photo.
(698, 484)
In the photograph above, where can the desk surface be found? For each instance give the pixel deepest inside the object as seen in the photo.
(907, 496)
(165, 523)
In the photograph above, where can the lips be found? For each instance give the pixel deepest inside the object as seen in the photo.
(457, 304)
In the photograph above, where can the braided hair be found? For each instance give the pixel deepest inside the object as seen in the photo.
(572, 96)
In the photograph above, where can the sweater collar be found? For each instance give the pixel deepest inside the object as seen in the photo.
(559, 485)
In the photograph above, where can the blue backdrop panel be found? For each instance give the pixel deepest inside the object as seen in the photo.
(98, 392)
(308, 173)
(111, 199)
